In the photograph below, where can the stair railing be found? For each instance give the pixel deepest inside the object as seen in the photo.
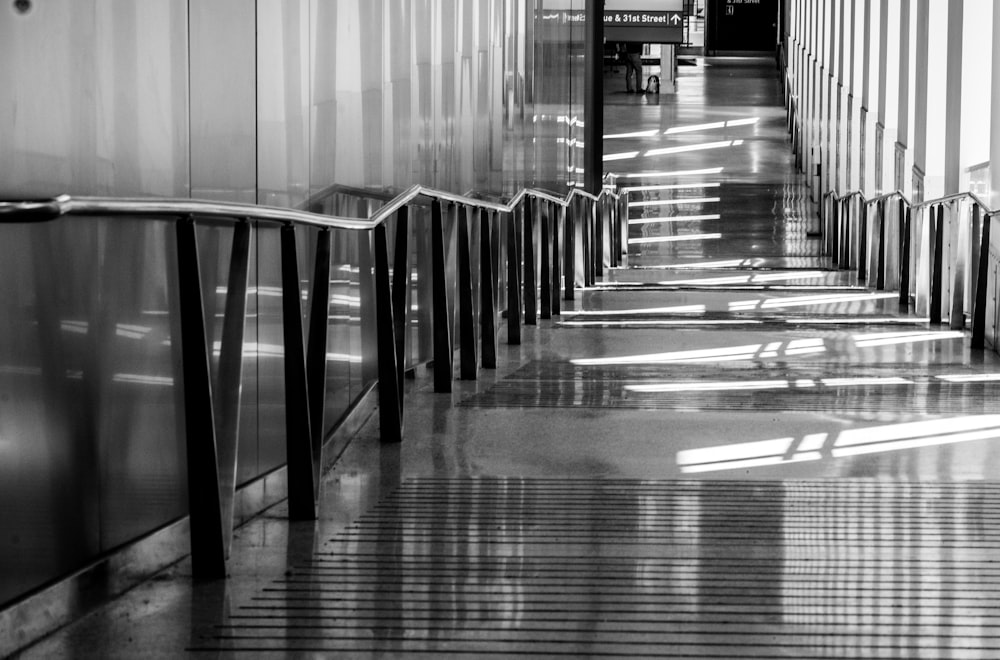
(571, 238)
(937, 254)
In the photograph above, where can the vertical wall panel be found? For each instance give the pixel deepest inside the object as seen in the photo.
(94, 98)
(223, 100)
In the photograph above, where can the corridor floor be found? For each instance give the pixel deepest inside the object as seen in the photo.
(727, 450)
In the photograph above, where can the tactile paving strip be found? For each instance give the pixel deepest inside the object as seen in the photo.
(626, 568)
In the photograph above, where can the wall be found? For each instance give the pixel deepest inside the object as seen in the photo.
(917, 76)
(268, 102)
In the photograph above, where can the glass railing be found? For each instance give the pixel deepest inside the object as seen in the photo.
(158, 354)
(937, 254)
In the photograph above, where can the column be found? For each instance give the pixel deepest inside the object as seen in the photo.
(864, 166)
(920, 101)
(953, 101)
(903, 111)
(995, 115)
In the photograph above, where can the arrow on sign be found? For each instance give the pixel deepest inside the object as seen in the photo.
(675, 19)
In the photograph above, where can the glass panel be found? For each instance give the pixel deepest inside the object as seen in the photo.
(90, 408)
(101, 99)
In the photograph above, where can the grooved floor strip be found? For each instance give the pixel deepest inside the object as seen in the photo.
(523, 567)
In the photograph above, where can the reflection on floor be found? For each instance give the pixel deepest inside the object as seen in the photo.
(631, 568)
(728, 450)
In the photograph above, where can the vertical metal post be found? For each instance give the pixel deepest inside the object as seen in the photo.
(298, 438)
(982, 282)
(316, 355)
(227, 403)
(958, 253)
(400, 289)
(581, 220)
(530, 287)
(513, 286)
(557, 216)
(831, 242)
(468, 363)
(598, 207)
(904, 258)
(208, 548)
(937, 230)
(623, 221)
(487, 294)
(862, 255)
(545, 252)
(592, 231)
(390, 405)
(880, 263)
(615, 234)
(587, 260)
(569, 235)
(442, 320)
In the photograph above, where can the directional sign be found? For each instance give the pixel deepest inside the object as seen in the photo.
(642, 19)
(645, 25)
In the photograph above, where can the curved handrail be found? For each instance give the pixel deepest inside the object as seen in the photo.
(43, 210)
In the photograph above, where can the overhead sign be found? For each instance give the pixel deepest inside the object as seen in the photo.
(648, 21)
(643, 19)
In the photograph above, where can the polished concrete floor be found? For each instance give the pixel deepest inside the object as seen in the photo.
(728, 450)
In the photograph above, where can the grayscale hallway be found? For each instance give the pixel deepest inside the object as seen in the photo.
(728, 449)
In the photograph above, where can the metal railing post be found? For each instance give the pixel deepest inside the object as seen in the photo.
(545, 252)
(904, 257)
(316, 354)
(468, 359)
(936, 220)
(569, 251)
(298, 438)
(530, 288)
(557, 217)
(227, 403)
(862, 253)
(598, 222)
(389, 400)
(400, 291)
(442, 320)
(982, 284)
(208, 548)
(513, 285)
(880, 262)
(487, 294)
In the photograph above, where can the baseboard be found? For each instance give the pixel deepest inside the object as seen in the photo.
(53, 606)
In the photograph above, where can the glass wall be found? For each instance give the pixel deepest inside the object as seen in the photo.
(920, 74)
(270, 102)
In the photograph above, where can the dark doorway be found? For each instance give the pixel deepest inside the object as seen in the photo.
(741, 25)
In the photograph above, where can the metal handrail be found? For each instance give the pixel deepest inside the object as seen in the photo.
(955, 196)
(382, 194)
(930, 202)
(42, 210)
